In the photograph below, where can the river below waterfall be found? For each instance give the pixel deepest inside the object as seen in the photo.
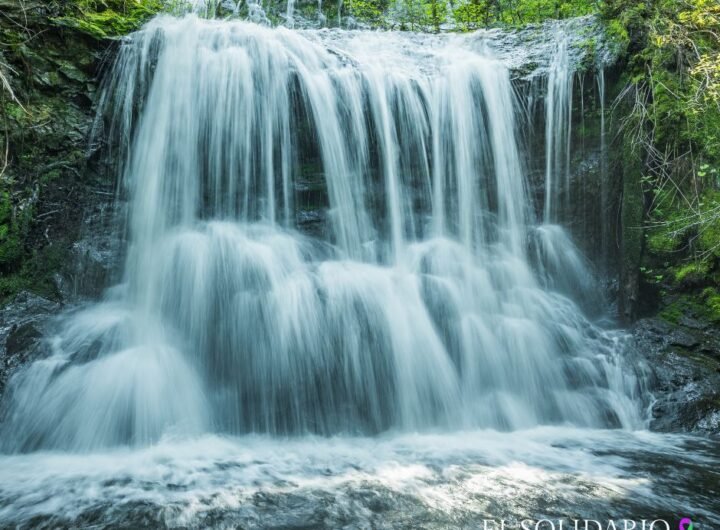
(394, 480)
(342, 303)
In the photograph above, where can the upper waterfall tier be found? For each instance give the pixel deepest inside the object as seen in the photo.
(414, 139)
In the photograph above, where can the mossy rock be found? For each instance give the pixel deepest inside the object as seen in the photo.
(14, 223)
(711, 298)
(45, 187)
(692, 272)
(704, 306)
(103, 19)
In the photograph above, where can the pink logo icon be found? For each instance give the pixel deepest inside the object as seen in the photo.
(686, 524)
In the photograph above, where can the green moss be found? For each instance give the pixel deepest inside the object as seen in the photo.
(617, 34)
(672, 313)
(711, 298)
(13, 111)
(10, 233)
(685, 305)
(679, 231)
(692, 271)
(662, 241)
(710, 238)
(667, 41)
(104, 19)
(36, 274)
(705, 306)
(709, 229)
(669, 225)
(10, 285)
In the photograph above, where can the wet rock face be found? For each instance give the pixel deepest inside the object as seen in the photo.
(56, 191)
(686, 364)
(54, 178)
(95, 259)
(22, 323)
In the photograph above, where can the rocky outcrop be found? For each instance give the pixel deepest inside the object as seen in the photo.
(57, 240)
(53, 181)
(685, 358)
(22, 323)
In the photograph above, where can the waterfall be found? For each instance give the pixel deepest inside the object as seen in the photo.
(604, 200)
(558, 123)
(289, 14)
(427, 299)
(320, 15)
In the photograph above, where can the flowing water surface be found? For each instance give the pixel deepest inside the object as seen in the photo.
(340, 303)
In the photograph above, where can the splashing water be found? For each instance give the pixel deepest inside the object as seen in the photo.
(404, 480)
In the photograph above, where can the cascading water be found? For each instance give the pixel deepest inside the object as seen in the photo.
(604, 192)
(420, 309)
(329, 234)
(558, 123)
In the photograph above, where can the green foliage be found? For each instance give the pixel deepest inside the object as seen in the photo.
(651, 276)
(413, 14)
(482, 13)
(673, 71)
(367, 11)
(692, 271)
(473, 15)
(108, 18)
(463, 15)
(679, 227)
(112, 18)
(13, 227)
(10, 285)
(667, 229)
(675, 66)
(711, 297)
(705, 306)
(617, 31)
(436, 13)
(663, 242)
(35, 275)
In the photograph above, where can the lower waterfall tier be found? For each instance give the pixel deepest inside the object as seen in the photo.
(253, 329)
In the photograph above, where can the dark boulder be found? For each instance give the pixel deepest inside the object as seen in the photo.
(685, 362)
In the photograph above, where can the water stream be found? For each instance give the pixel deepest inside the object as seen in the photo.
(421, 347)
